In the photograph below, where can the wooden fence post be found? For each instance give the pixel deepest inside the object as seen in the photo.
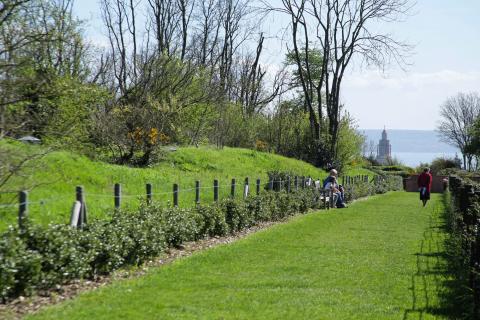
(149, 193)
(80, 197)
(117, 195)
(215, 190)
(258, 187)
(246, 188)
(197, 192)
(232, 190)
(175, 195)
(22, 208)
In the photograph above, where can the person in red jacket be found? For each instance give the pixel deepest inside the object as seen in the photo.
(424, 183)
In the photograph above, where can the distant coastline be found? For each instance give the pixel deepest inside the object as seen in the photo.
(413, 147)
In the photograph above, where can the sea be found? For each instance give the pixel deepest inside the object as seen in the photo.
(413, 147)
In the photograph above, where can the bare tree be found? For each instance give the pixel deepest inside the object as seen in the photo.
(207, 35)
(164, 17)
(119, 18)
(459, 114)
(250, 89)
(342, 30)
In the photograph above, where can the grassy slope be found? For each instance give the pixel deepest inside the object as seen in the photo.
(378, 259)
(59, 172)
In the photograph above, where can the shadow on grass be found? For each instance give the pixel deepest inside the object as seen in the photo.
(438, 288)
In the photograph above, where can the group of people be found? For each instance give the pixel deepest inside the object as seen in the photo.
(338, 192)
(424, 183)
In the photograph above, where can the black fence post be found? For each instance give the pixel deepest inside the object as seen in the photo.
(175, 195)
(215, 190)
(117, 195)
(149, 193)
(22, 208)
(289, 188)
(197, 192)
(232, 190)
(270, 184)
(258, 187)
(296, 183)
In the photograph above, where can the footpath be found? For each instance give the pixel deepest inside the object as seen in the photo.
(381, 258)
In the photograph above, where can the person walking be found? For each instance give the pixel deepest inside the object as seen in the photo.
(424, 183)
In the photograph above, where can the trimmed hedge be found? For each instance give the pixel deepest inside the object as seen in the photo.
(462, 216)
(41, 257)
(384, 184)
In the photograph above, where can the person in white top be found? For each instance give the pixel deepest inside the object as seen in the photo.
(332, 185)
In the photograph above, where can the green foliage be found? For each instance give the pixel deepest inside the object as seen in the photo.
(180, 225)
(70, 123)
(462, 220)
(396, 170)
(45, 88)
(350, 142)
(313, 58)
(237, 217)
(212, 222)
(20, 267)
(382, 184)
(440, 164)
(62, 258)
(388, 183)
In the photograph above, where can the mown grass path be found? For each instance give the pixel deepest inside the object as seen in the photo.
(379, 259)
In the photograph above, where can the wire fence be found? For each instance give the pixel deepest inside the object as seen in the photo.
(19, 201)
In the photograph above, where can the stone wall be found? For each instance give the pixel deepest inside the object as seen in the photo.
(438, 184)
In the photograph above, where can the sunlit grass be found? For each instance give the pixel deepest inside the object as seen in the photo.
(57, 175)
(378, 259)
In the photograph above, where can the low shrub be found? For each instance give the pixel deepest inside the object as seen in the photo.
(20, 268)
(212, 221)
(237, 216)
(179, 225)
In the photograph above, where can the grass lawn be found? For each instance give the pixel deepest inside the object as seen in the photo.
(378, 259)
(56, 176)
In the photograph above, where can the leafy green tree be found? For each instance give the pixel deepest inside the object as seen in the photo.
(350, 142)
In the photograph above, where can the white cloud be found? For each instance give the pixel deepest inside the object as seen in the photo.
(418, 80)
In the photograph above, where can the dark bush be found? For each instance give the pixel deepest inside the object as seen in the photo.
(237, 215)
(62, 259)
(20, 268)
(440, 164)
(211, 222)
(179, 225)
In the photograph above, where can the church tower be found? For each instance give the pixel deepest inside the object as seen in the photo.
(384, 149)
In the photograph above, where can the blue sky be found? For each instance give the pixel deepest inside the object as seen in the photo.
(445, 61)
